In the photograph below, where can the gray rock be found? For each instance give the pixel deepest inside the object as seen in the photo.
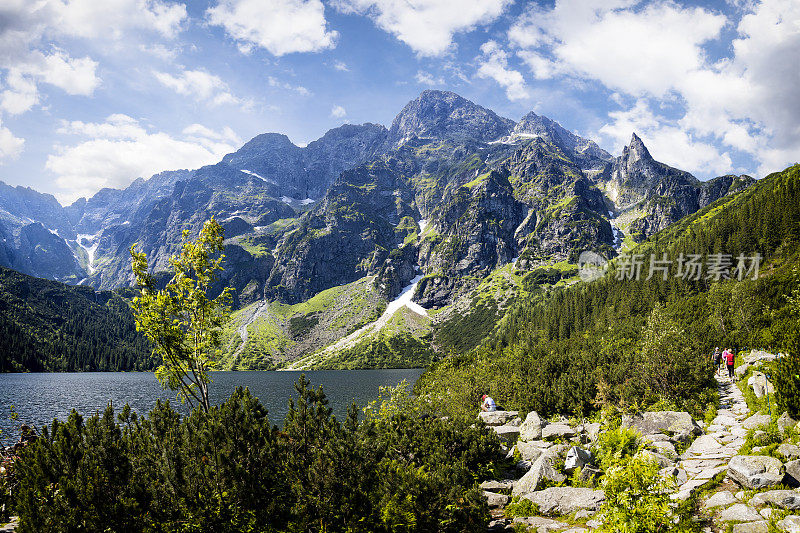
(592, 431)
(566, 500)
(720, 499)
(790, 451)
(516, 421)
(760, 385)
(662, 461)
(507, 433)
(541, 524)
(493, 485)
(790, 524)
(523, 466)
(762, 526)
(739, 513)
(669, 422)
(528, 451)
(558, 430)
(577, 458)
(756, 421)
(792, 473)
(787, 499)
(666, 448)
(755, 471)
(497, 418)
(496, 500)
(785, 422)
(542, 469)
(531, 428)
(741, 370)
(766, 512)
(704, 444)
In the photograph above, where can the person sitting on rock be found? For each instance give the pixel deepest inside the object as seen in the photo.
(488, 404)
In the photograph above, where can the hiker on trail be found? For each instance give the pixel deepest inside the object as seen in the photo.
(717, 358)
(730, 358)
(488, 404)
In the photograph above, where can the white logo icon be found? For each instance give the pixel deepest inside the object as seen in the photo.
(591, 266)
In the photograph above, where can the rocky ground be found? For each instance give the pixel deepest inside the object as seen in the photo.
(735, 491)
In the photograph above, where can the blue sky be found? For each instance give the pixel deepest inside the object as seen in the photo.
(95, 94)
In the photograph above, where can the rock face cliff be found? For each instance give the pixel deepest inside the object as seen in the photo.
(450, 191)
(662, 194)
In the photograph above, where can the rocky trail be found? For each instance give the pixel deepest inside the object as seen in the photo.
(743, 493)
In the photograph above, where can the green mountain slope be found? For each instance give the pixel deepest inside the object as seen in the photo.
(631, 342)
(49, 326)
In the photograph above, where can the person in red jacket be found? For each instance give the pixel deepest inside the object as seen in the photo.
(730, 358)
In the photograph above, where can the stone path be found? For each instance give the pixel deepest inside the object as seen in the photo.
(709, 454)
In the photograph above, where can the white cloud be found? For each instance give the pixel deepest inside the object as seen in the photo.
(338, 111)
(280, 26)
(117, 151)
(426, 78)
(666, 141)
(113, 18)
(201, 85)
(10, 146)
(274, 82)
(341, 66)
(494, 65)
(656, 52)
(427, 26)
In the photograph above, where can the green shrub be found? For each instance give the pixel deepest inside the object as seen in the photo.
(521, 507)
(231, 470)
(615, 446)
(786, 379)
(637, 497)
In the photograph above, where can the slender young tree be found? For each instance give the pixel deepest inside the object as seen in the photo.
(181, 321)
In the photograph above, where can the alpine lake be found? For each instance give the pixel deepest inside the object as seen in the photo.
(38, 398)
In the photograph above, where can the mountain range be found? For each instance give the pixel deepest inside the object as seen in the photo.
(451, 197)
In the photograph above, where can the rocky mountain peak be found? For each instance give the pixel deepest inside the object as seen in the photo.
(585, 151)
(636, 150)
(446, 115)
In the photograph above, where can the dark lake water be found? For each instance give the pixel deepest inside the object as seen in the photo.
(38, 398)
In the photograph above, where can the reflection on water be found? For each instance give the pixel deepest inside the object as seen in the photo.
(38, 398)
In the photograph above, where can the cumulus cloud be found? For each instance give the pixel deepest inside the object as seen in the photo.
(279, 26)
(202, 86)
(494, 65)
(746, 102)
(427, 26)
(667, 141)
(338, 111)
(426, 78)
(10, 146)
(29, 57)
(278, 84)
(115, 152)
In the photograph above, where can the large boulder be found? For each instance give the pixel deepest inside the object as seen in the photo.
(667, 422)
(720, 499)
(739, 513)
(558, 431)
(792, 473)
(508, 433)
(497, 418)
(528, 451)
(531, 428)
(790, 451)
(577, 458)
(540, 524)
(760, 384)
(788, 499)
(496, 500)
(566, 500)
(785, 422)
(756, 421)
(790, 524)
(755, 471)
(759, 356)
(543, 469)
